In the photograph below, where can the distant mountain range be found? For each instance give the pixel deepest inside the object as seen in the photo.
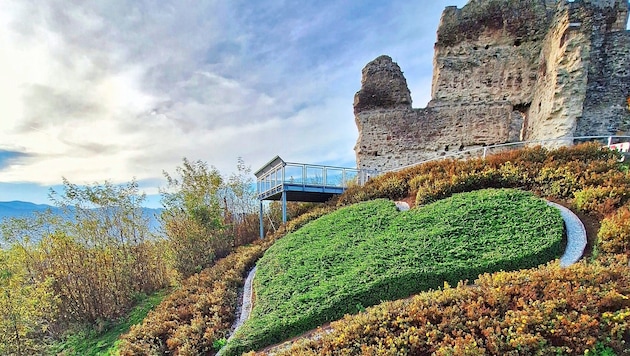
(16, 208)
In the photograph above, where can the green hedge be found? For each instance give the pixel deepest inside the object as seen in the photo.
(369, 252)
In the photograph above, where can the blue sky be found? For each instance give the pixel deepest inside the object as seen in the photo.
(117, 89)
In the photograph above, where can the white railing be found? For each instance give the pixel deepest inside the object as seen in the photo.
(485, 150)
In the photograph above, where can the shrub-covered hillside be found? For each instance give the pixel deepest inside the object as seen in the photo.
(543, 310)
(369, 252)
(583, 309)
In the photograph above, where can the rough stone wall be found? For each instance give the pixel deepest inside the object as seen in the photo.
(608, 86)
(488, 52)
(561, 84)
(504, 71)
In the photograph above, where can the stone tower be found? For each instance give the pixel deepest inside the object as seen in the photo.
(504, 71)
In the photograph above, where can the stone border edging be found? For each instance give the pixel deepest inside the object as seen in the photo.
(576, 236)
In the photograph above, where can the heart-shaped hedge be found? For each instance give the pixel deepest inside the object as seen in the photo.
(369, 252)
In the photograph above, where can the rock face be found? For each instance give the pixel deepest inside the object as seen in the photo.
(504, 71)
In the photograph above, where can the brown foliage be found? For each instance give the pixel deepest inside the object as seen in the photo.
(614, 234)
(99, 283)
(197, 314)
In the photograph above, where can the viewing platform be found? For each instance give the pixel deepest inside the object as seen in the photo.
(287, 181)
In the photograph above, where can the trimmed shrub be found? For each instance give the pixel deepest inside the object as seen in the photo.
(542, 311)
(601, 200)
(369, 252)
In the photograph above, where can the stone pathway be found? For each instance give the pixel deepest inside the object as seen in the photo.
(576, 236)
(245, 306)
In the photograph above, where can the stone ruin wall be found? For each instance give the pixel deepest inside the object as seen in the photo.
(608, 86)
(504, 71)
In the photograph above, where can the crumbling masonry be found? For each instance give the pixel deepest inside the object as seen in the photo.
(504, 71)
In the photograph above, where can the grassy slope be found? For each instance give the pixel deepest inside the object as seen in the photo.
(369, 252)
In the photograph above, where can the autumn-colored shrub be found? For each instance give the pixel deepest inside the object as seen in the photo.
(197, 314)
(614, 234)
(394, 187)
(602, 200)
(94, 257)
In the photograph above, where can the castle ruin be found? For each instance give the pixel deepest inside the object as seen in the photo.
(503, 71)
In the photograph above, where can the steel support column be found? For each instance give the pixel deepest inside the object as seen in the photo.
(260, 218)
(284, 206)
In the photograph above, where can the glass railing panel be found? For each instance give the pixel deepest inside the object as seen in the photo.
(293, 174)
(314, 175)
(333, 177)
(351, 177)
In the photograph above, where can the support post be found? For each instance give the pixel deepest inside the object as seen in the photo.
(284, 206)
(609, 141)
(262, 229)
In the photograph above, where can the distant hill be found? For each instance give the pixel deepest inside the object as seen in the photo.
(17, 208)
(10, 209)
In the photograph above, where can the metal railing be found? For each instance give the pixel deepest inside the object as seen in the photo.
(311, 175)
(485, 150)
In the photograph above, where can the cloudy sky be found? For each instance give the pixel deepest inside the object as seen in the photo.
(117, 89)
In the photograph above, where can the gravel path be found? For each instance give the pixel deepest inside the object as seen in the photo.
(245, 306)
(576, 236)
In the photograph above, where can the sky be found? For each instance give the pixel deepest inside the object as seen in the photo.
(125, 89)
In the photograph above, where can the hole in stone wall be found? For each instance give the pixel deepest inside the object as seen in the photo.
(542, 68)
(487, 46)
(563, 40)
(475, 48)
(522, 108)
(518, 121)
(446, 148)
(517, 42)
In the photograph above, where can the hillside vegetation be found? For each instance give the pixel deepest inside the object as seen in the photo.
(369, 252)
(72, 280)
(583, 309)
(544, 310)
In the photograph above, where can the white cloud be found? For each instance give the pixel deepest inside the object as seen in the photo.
(121, 89)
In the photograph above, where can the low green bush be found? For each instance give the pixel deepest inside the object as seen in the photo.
(369, 252)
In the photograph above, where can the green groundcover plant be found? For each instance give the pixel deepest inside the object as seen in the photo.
(369, 252)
